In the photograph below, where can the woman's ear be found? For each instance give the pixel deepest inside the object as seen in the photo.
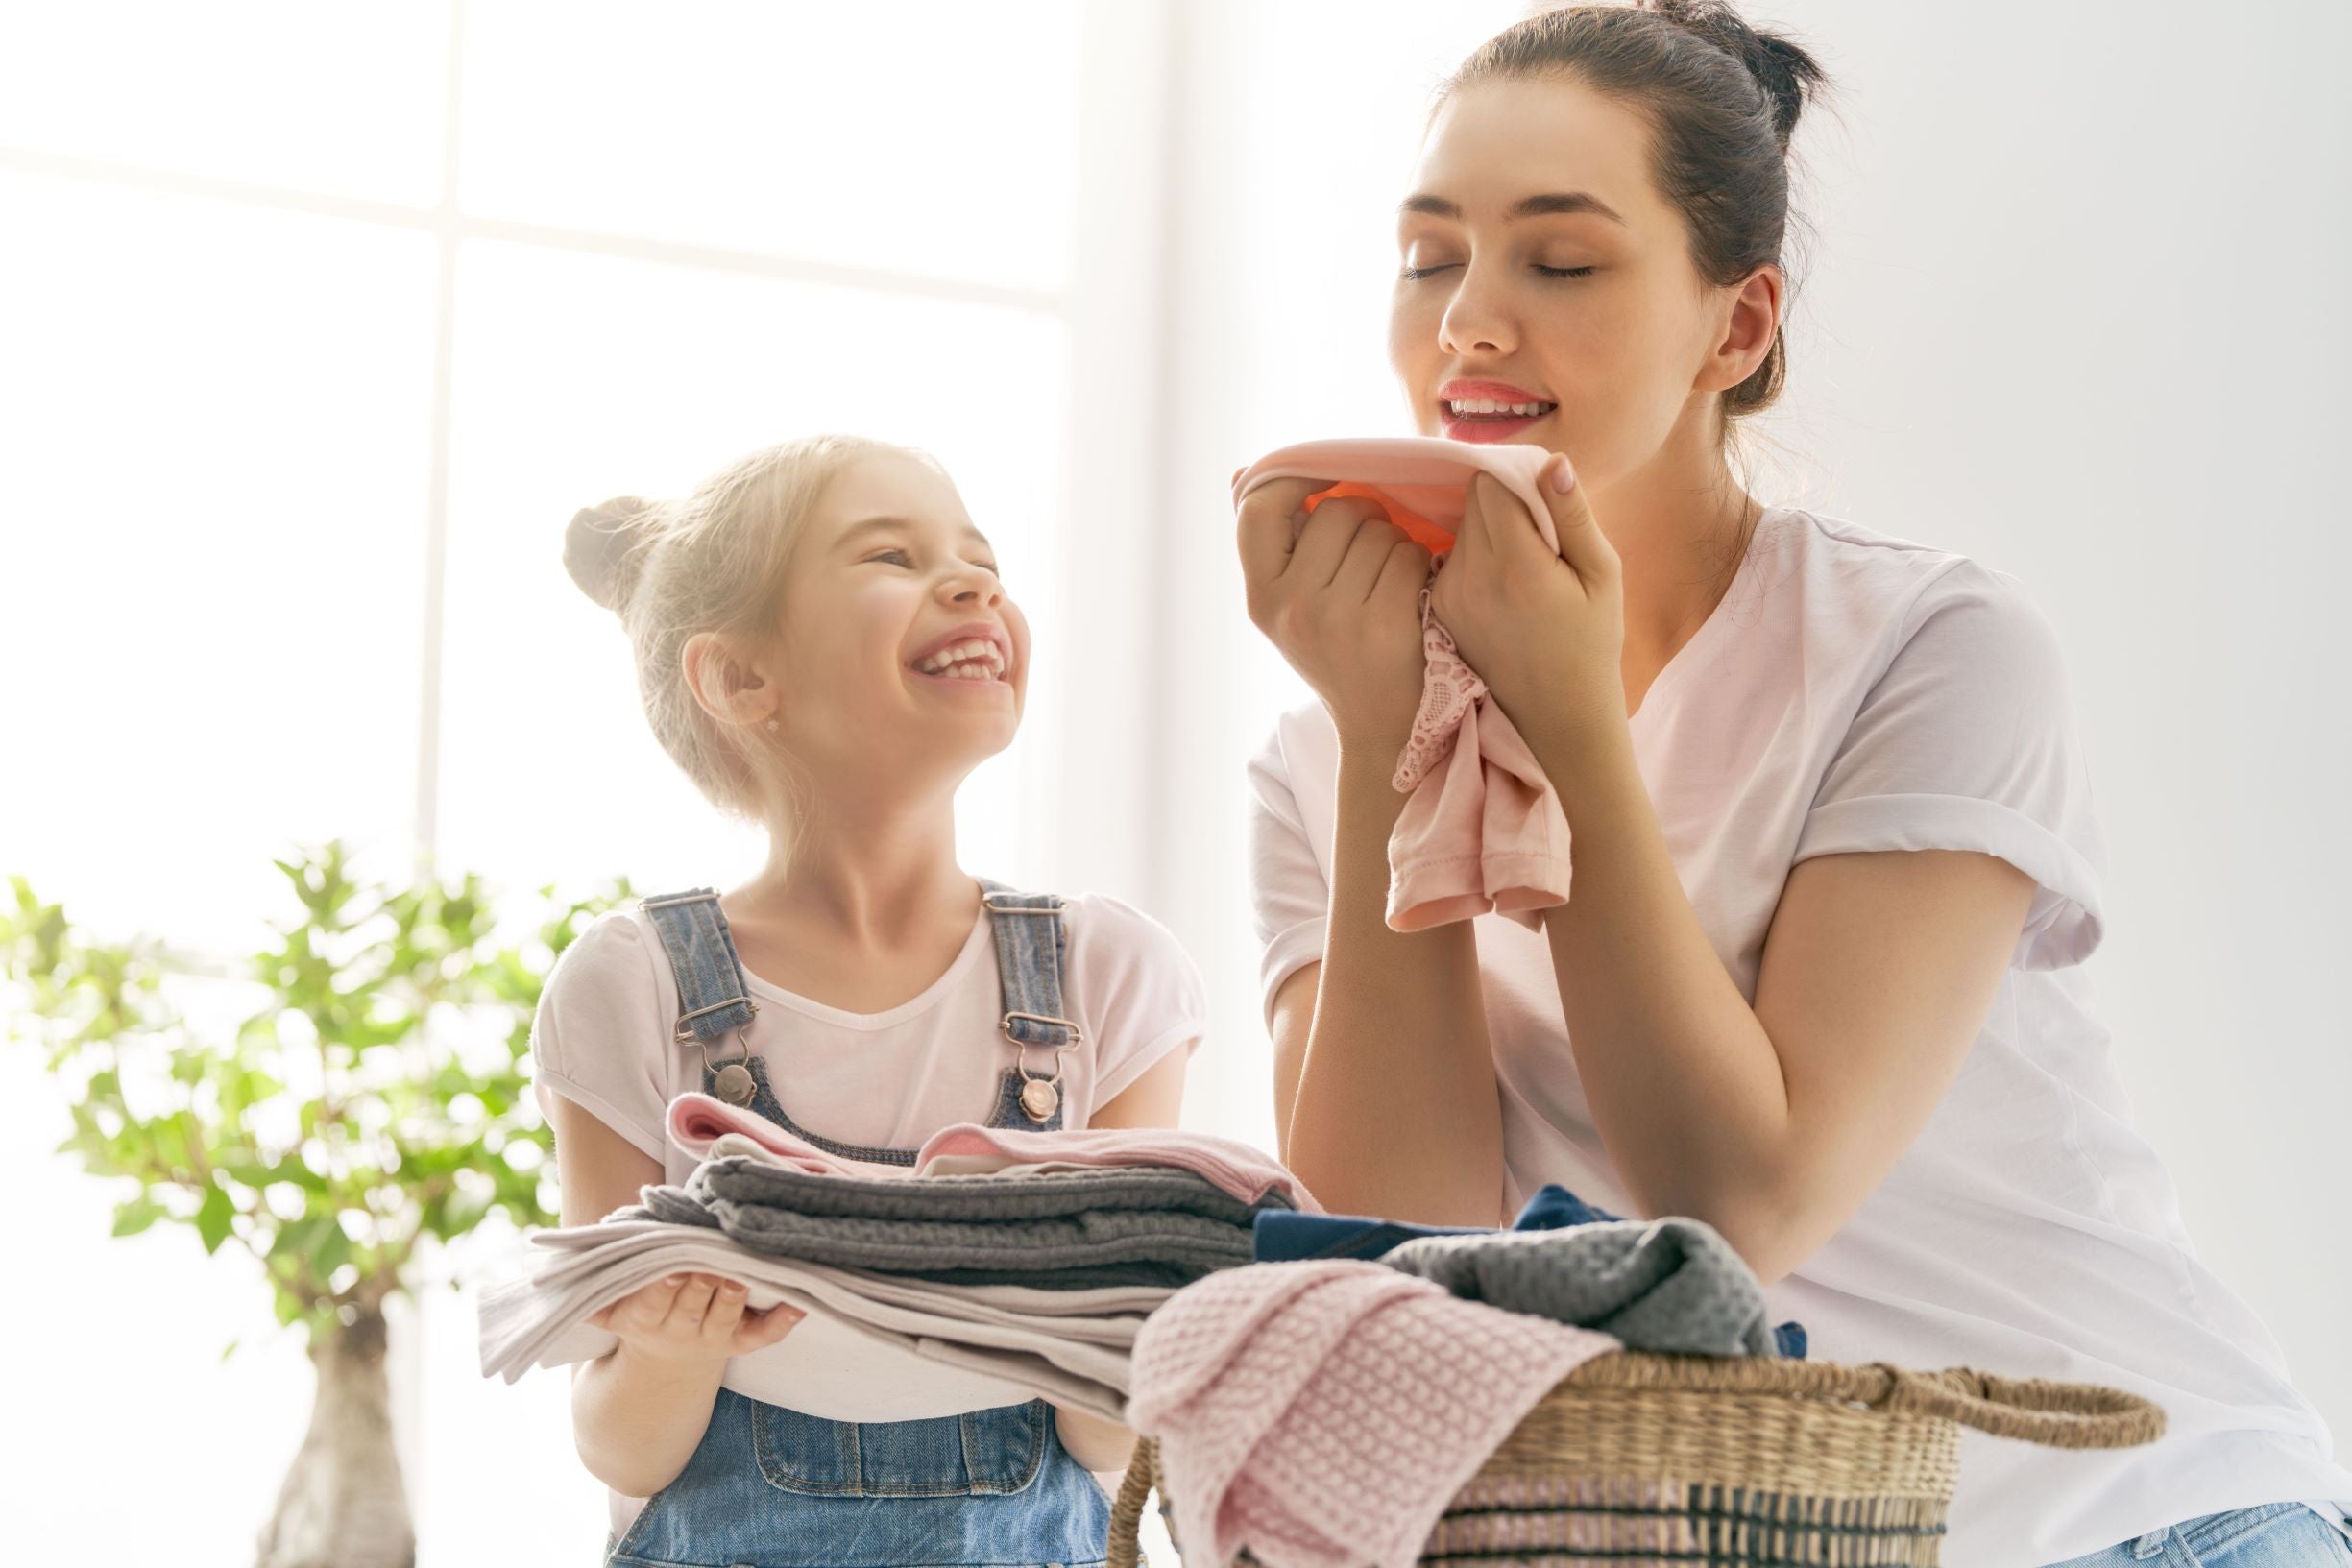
(727, 684)
(1749, 325)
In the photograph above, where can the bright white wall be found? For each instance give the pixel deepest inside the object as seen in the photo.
(2069, 314)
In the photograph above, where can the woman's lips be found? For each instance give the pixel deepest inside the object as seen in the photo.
(1490, 410)
(1487, 426)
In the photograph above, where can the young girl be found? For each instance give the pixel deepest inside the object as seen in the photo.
(824, 645)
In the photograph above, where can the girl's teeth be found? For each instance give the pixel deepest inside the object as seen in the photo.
(966, 661)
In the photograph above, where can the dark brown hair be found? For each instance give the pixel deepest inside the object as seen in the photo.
(1722, 99)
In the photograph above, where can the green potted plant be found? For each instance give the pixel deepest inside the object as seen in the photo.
(373, 1108)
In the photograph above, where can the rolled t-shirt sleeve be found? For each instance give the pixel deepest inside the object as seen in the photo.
(1290, 900)
(1141, 991)
(1967, 741)
(599, 1038)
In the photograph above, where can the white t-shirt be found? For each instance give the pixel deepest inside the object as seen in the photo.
(1854, 693)
(890, 1079)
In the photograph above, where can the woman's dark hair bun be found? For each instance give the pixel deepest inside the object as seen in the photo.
(1787, 72)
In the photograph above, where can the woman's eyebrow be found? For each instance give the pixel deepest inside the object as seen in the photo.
(1546, 204)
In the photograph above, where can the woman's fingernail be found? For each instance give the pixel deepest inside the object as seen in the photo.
(1563, 477)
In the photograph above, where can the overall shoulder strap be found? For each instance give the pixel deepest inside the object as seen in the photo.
(1033, 941)
(712, 1001)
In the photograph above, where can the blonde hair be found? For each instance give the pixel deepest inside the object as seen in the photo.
(713, 562)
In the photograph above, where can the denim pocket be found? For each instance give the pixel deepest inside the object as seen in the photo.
(980, 1453)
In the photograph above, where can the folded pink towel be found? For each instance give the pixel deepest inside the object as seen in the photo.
(1483, 829)
(698, 1120)
(1323, 1413)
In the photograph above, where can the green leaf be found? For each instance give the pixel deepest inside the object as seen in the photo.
(332, 1251)
(212, 1217)
(295, 1236)
(136, 1214)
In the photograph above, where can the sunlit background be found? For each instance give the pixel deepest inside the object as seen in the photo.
(317, 323)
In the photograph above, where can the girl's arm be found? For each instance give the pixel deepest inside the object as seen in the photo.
(639, 1411)
(1385, 1096)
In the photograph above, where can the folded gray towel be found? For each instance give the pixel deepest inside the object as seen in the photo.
(1064, 1230)
(1663, 1285)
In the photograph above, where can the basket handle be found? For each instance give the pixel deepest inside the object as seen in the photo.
(1126, 1509)
(2058, 1414)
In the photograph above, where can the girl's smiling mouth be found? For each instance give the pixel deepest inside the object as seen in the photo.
(975, 655)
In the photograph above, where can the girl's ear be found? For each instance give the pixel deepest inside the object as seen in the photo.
(725, 683)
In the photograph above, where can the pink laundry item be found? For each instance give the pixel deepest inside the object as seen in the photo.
(698, 1120)
(1484, 830)
(1323, 1413)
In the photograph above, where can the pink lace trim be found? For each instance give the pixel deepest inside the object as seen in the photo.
(1449, 688)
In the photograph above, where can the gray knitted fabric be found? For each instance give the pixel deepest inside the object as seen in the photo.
(1065, 1230)
(1663, 1285)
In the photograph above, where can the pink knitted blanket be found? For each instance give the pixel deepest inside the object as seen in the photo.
(698, 1121)
(1323, 1413)
(1484, 830)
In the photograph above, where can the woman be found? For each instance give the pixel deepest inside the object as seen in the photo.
(1836, 861)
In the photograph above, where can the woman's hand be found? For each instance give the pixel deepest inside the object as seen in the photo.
(687, 1318)
(1545, 632)
(1343, 605)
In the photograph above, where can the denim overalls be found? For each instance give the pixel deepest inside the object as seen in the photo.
(770, 1488)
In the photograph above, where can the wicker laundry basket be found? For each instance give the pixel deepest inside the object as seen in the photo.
(1733, 1461)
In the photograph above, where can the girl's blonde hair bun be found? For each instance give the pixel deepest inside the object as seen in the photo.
(604, 547)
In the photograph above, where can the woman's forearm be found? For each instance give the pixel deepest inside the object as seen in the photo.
(1686, 1088)
(637, 1421)
(1395, 1112)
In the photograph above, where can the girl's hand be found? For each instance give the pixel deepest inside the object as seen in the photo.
(693, 1317)
(1545, 632)
(1343, 605)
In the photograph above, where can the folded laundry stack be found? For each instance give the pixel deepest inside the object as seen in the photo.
(1069, 1346)
(1055, 1230)
(1028, 1258)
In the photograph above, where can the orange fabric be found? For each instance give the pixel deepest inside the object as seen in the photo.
(1420, 530)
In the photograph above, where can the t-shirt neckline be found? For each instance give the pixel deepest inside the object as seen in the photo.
(930, 997)
(1694, 648)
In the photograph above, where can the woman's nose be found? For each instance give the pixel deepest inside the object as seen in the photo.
(1475, 320)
